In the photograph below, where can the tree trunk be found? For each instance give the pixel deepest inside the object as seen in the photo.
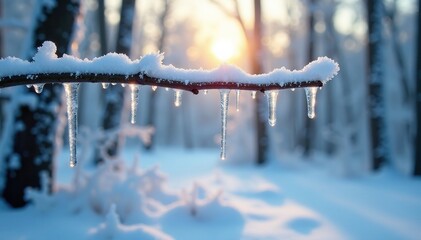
(309, 123)
(150, 121)
(417, 143)
(32, 138)
(375, 84)
(256, 68)
(114, 98)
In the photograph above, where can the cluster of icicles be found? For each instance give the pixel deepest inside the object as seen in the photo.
(71, 90)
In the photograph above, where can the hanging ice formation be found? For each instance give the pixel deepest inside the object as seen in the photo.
(105, 85)
(38, 88)
(311, 93)
(224, 111)
(154, 88)
(253, 94)
(205, 91)
(237, 100)
(134, 101)
(272, 97)
(71, 90)
(177, 98)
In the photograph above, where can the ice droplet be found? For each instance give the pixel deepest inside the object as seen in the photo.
(167, 89)
(311, 93)
(71, 90)
(224, 111)
(293, 89)
(272, 97)
(134, 101)
(123, 85)
(177, 98)
(38, 88)
(29, 86)
(154, 88)
(237, 100)
(253, 94)
(205, 92)
(105, 85)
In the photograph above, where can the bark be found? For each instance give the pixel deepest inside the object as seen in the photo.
(309, 123)
(256, 68)
(417, 143)
(32, 144)
(375, 84)
(150, 121)
(115, 94)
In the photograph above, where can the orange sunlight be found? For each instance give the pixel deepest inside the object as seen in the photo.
(226, 49)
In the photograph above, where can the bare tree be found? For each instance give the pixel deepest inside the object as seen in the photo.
(115, 95)
(375, 84)
(167, 4)
(417, 142)
(31, 151)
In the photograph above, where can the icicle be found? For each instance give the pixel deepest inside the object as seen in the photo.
(113, 83)
(154, 88)
(311, 93)
(134, 101)
(38, 88)
(105, 85)
(167, 89)
(205, 92)
(71, 90)
(177, 98)
(123, 85)
(253, 94)
(272, 96)
(237, 100)
(293, 89)
(29, 86)
(224, 111)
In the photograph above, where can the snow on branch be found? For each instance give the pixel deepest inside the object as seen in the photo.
(46, 67)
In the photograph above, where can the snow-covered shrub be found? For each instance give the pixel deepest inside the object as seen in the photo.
(112, 228)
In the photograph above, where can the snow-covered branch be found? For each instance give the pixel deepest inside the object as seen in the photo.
(47, 67)
(149, 70)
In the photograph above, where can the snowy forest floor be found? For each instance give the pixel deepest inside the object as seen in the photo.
(271, 202)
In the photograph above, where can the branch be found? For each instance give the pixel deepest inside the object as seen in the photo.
(143, 79)
(149, 70)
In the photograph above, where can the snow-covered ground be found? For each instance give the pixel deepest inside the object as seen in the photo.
(204, 199)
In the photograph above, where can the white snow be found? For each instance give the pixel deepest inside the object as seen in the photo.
(229, 202)
(46, 61)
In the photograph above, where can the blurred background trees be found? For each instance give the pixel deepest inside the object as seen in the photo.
(366, 118)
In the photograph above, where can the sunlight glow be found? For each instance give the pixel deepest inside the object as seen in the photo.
(224, 49)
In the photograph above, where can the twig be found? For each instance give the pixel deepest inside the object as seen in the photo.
(143, 79)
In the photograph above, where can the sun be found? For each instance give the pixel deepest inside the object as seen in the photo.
(224, 49)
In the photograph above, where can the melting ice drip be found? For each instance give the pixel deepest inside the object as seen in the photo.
(311, 93)
(71, 90)
(177, 98)
(134, 101)
(272, 97)
(105, 85)
(237, 100)
(224, 111)
(38, 88)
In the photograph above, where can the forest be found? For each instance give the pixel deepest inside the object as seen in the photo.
(246, 119)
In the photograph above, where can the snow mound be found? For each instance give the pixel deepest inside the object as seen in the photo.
(113, 229)
(199, 211)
